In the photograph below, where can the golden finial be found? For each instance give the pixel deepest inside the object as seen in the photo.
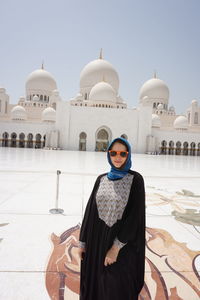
(101, 54)
(155, 74)
(103, 78)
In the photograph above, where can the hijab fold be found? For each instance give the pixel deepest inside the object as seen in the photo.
(118, 173)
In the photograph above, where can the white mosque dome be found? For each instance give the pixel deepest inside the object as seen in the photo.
(40, 80)
(103, 91)
(156, 122)
(181, 122)
(96, 71)
(160, 106)
(49, 115)
(35, 98)
(18, 113)
(154, 89)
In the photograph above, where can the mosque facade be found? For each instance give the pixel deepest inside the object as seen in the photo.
(96, 115)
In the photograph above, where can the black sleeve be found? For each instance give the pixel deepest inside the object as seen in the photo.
(83, 230)
(133, 226)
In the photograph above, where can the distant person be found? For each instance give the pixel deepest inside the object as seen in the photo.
(112, 237)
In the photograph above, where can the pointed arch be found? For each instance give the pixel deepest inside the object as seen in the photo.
(30, 140)
(38, 142)
(82, 141)
(185, 148)
(21, 140)
(171, 148)
(163, 148)
(5, 137)
(178, 148)
(13, 139)
(103, 137)
(192, 149)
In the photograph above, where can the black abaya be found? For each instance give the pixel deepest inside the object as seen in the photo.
(124, 279)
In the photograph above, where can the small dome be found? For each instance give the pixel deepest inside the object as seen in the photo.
(40, 80)
(49, 115)
(156, 122)
(35, 98)
(2, 90)
(171, 108)
(96, 71)
(160, 106)
(21, 99)
(181, 122)
(194, 102)
(145, 98)
(18, 113)
(119, 99)
(103, 91)
(55, 92)
(79, 96)
(154, 89)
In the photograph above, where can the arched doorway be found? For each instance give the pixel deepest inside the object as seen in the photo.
(178, 148)
(30, 141)
(163, 148)
(192, 149)
(21, 140)
(13, 139)
(5, 139)
(38, 141)
(171, 148)
(102, 140)
(185, 148)
(82, 141)
(124, 136)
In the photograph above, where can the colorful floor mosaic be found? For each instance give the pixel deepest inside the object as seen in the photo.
(38, 250)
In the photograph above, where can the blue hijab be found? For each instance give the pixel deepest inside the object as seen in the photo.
(116, 173)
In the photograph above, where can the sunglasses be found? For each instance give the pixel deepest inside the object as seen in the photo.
(121, 153)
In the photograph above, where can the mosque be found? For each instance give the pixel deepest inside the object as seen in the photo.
(96, 115)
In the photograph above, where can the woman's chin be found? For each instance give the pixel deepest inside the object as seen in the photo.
(118, 166)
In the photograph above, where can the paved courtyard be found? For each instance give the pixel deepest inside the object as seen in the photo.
(38, 250)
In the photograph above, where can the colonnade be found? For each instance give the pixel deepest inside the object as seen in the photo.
(178, 148)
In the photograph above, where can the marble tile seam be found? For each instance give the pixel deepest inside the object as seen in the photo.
(39, 214)
(91, 174)
(49, 172)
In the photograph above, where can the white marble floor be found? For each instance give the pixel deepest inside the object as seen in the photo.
(28, 191)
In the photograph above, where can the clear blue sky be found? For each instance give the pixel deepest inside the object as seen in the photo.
(137, 38)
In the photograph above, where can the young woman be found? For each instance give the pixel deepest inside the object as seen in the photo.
(112, 237)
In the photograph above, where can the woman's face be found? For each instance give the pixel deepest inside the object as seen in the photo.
(118, 160)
